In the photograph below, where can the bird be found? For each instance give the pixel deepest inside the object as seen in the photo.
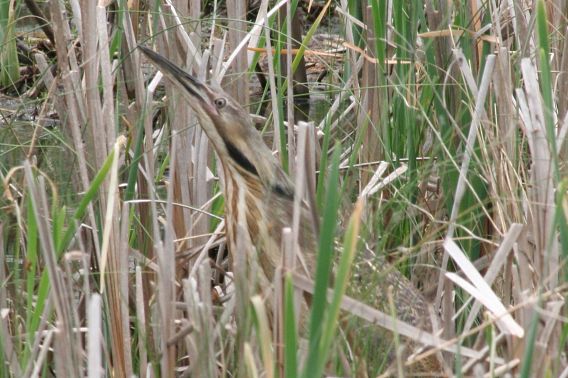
(259, 192)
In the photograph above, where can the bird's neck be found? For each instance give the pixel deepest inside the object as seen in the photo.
(242, 206)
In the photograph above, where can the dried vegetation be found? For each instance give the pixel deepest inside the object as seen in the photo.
(445, 124)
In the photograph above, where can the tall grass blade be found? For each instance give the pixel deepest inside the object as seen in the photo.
(319, 304)
(290, 331)
(9, 65)
(341, 281)
(87, 198)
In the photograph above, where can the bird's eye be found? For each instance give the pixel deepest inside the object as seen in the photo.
(220, 102)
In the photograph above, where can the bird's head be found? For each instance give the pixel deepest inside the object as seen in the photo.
(227, 124)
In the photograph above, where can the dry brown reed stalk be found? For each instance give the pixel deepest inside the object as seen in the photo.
(237, 30)
(68, 354)
(82, 103)
(373, 98)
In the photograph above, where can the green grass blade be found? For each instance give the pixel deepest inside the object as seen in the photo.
(546, 83)
(290, 331)
(526, 367)
(324, 265)
(31, 276)
(9, 65)
(137, 156)
(341, 281)
(90, 196)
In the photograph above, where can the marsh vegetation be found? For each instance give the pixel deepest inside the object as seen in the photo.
(427, 138)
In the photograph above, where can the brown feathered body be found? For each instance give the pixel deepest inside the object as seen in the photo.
(259, 196)
(266, 209)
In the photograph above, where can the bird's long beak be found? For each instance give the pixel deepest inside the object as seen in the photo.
(193, 89)
(226, 123)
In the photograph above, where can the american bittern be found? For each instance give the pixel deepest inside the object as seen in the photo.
(256, 184)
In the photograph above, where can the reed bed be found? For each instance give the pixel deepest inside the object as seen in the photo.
(438, 147)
